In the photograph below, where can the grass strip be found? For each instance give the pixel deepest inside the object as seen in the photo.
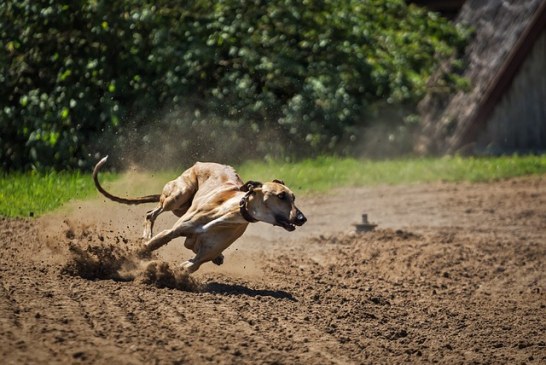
(32, 193)
(325, 173)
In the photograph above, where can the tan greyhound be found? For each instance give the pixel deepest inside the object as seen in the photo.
(214, 207)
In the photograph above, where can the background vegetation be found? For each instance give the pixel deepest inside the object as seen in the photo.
(216, 80)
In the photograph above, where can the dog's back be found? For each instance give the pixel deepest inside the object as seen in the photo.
(210, 175)
(210, 180)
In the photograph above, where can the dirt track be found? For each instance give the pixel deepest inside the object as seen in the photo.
(455, 273)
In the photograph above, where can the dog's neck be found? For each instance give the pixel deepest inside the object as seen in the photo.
(243, 208)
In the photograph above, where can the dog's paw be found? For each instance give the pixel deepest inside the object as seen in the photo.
(188, 266)
(147, 234)
(219, 260)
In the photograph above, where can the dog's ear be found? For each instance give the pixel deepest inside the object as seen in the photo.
(250, 185)
(278, 181)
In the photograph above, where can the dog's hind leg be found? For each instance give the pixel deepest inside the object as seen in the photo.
(150, 219)
(176, 196)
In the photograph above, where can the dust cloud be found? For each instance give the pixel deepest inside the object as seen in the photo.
(119, 264)
(86, 247)
(178, 138)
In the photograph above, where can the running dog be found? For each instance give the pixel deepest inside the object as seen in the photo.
(215, 208)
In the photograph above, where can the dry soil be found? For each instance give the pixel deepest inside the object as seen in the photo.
(454, 273)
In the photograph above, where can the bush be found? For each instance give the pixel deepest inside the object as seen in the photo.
(87, 77)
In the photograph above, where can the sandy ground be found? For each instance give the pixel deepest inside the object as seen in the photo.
(454, 273)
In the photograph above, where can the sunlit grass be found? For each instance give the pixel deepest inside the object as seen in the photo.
(26, 194)
(329, 172)
(32, 193)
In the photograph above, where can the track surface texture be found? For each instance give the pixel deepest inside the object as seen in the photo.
(454, 273)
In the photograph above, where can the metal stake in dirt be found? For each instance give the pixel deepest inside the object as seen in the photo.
(365, 226)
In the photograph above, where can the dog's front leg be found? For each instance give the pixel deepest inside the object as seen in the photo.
(223, 220)
(180, 229)
(190, 266)
(160, 239)
(193, 264)
(212, 245)
(205, 254)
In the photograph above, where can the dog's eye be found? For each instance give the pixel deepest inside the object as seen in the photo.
(282, 196)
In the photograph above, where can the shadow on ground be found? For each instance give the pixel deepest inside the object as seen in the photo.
(237, 289)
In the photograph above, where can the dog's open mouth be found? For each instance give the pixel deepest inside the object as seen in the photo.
(285, 223)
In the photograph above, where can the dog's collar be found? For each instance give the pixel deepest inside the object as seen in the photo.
(243, 209)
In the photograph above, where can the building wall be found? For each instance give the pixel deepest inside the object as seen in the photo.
(518, 123)
(446, 118)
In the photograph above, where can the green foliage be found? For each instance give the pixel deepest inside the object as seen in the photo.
(32, 193)
(72, 70)
(78, 77)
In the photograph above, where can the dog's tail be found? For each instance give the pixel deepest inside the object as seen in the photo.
(139, 200)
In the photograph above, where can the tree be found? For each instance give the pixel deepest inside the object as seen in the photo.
(77, 74)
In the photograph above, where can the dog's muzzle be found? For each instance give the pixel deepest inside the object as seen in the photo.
(290, 225)
(300, 218)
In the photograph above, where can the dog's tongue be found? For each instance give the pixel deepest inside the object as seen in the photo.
(289, 227)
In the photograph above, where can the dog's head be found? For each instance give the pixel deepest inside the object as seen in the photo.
(274, 203)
